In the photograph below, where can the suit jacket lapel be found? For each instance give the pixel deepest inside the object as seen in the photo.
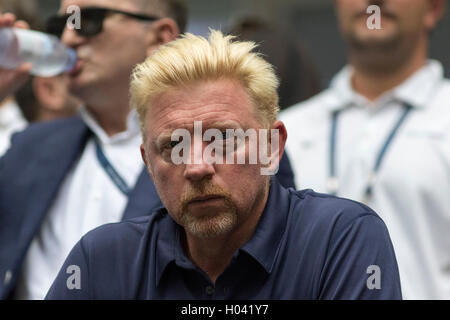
(53, 162)
(144, 199)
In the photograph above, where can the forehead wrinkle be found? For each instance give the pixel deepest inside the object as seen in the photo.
(208, 119)
(211, 102)
(204, 94)
(179, 112)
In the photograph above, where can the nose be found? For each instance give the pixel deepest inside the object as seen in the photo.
(198, 172)
(71, 38)
(198, 169)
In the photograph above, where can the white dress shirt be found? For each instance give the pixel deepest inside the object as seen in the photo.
(11, 121)
(87, 199)
(412, 189)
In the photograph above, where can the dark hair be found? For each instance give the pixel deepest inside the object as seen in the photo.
(175, 9)
(178, 10)
(299, 79)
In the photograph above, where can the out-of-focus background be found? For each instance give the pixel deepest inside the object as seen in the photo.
(311, 21)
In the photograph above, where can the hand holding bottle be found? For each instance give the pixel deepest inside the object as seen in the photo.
(12, 80)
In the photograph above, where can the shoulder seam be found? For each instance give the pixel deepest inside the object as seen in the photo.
(86, 258)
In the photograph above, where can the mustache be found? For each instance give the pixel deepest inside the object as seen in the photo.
(203, 190)
(384, 11)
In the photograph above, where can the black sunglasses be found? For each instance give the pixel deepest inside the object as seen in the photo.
(91, 21)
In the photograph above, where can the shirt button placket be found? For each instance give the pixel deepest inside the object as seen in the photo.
(209, 291)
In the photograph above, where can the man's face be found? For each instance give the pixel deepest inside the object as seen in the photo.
(106, 59)
(399, 19)
(208, 200)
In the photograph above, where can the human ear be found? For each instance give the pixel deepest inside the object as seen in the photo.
(145, 159)
(276, 147)
(435, 13)
(163, 31)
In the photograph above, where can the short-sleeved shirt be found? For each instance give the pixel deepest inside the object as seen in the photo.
(305, 246)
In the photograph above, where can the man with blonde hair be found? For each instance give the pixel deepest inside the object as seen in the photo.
(226, 231)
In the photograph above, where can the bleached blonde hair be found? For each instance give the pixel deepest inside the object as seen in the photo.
(194, 58)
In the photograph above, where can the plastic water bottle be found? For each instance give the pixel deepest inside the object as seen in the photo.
(46, 53)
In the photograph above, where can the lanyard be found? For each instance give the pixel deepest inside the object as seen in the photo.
(110, 171)
(333, 181)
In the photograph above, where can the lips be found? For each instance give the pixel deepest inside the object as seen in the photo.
(204, 199)
(206, 202)
(77, 68)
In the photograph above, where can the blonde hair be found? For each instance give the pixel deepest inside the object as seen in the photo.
(193, 58)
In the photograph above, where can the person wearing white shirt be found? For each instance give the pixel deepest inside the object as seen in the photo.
(381, 134)
(11, 121)
(88, 198)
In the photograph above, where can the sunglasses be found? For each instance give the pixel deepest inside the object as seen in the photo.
(91, 21)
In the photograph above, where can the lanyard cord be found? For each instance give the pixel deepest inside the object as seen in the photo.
(333, 181)
(115, 177)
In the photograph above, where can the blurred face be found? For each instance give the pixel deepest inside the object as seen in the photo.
(400, 19)
(208, 200)
(106, 59)
(54, 97)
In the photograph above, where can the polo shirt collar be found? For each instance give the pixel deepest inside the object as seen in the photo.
(265, 243)
(168, 246)
(417, 91)
(263, 246)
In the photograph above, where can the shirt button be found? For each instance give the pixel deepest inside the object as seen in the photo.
(8, 277)
(209, 291)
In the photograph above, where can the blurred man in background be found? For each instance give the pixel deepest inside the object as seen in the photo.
(380, 134)
(62, 178)
(47, 98)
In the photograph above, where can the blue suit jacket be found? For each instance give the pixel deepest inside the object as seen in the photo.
(31, 174)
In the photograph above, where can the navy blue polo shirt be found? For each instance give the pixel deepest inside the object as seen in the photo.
(305, 246)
